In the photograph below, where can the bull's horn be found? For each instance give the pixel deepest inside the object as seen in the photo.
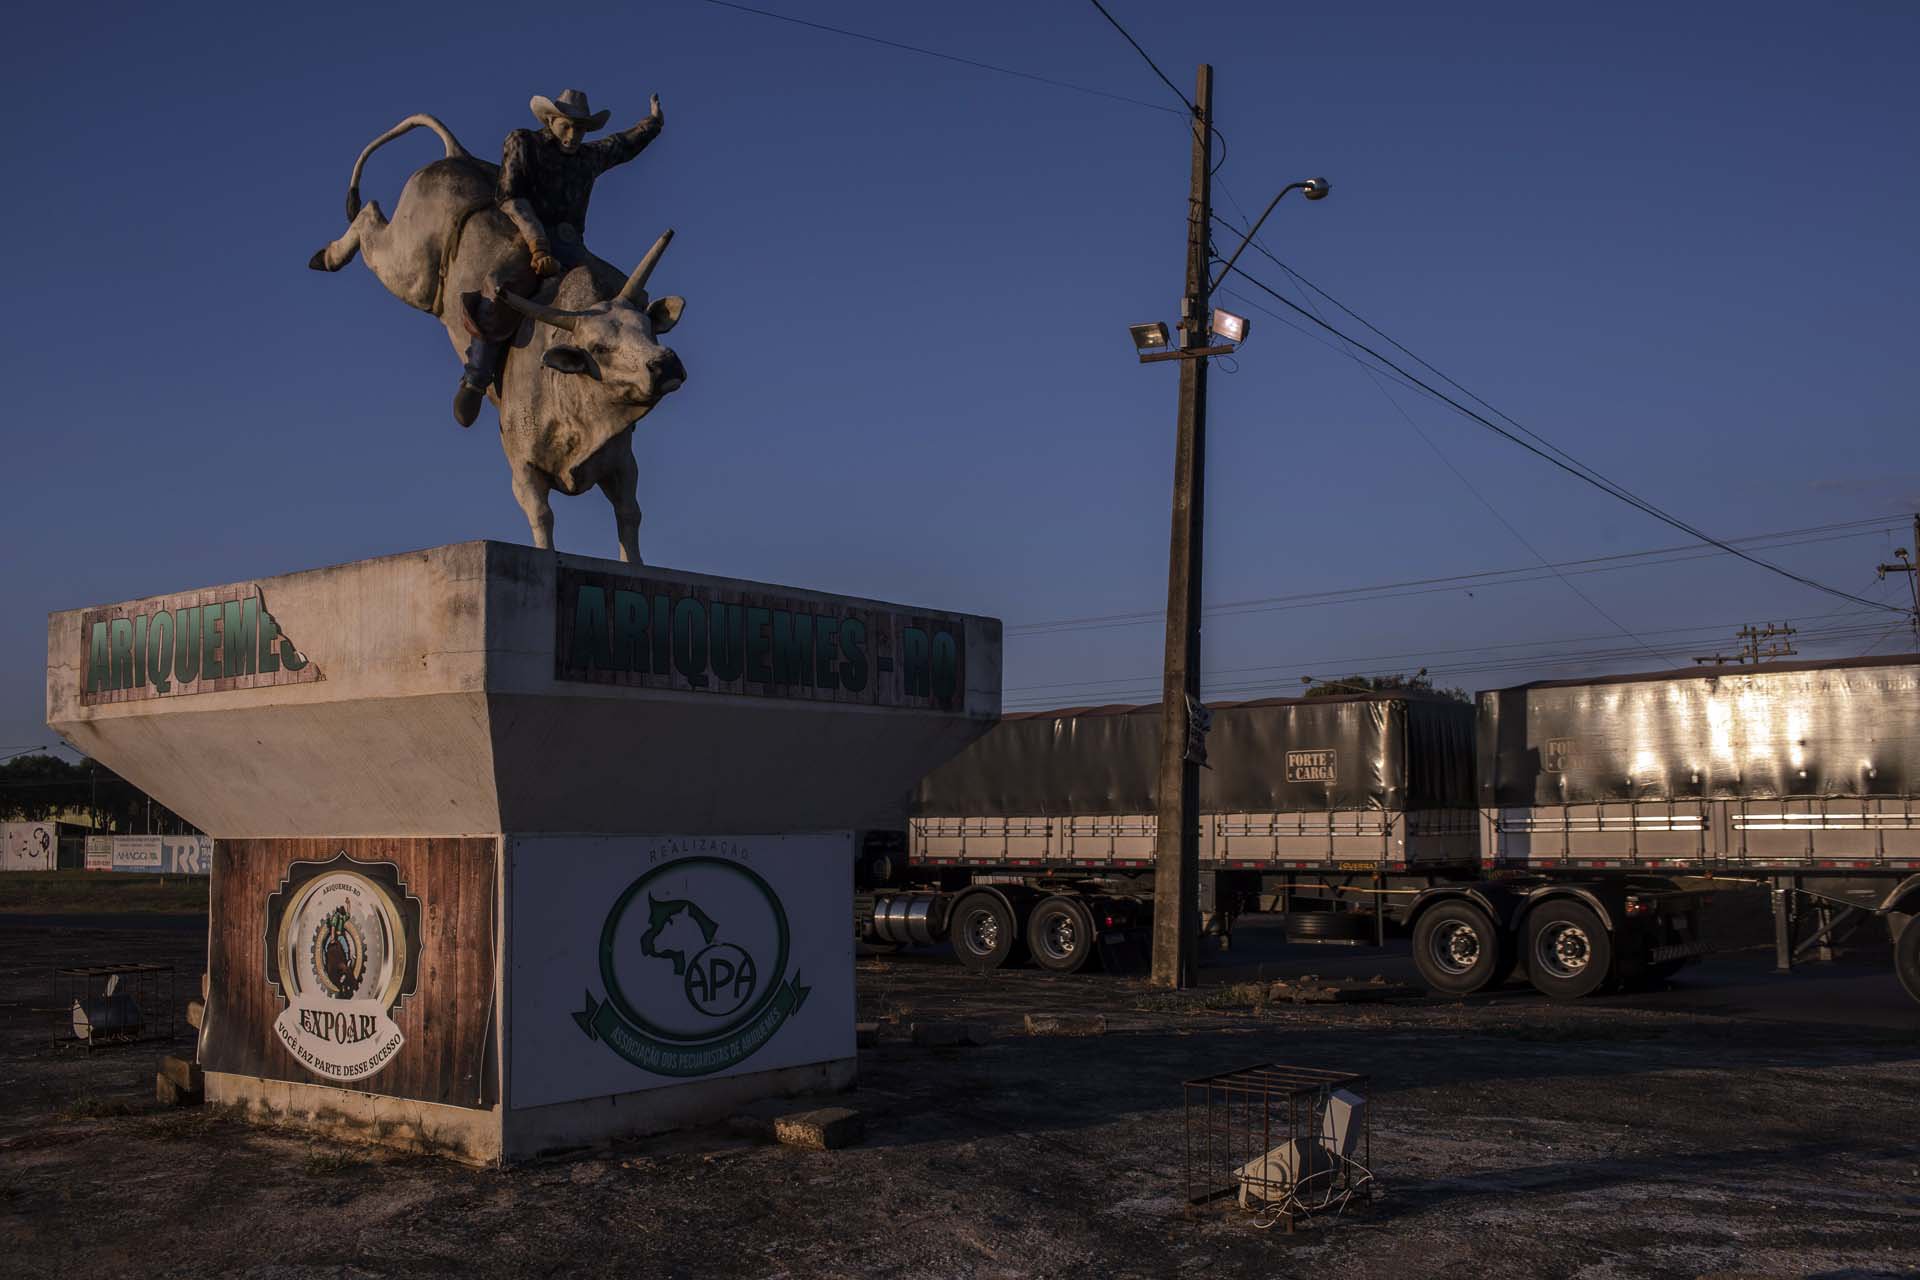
(552, 315)
(636, 286)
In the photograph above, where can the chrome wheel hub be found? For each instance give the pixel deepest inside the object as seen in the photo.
(1456, 947)
(1564, 950)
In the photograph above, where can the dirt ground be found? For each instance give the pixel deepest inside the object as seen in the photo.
(1740, 1125)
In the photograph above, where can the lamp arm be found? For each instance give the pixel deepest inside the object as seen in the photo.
(1254, 231)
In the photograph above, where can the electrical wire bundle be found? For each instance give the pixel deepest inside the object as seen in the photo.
(1294, 1207)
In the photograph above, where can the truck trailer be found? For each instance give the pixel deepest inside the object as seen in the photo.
(1038, 840)
(1800, 778)
(1570, 830)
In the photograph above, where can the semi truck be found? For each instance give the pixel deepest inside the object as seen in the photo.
(1037, 841)
(1572, 831)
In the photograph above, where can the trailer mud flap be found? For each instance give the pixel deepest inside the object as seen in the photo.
(1676, 951)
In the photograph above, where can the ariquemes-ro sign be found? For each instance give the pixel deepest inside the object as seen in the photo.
(619, 629)
(223, 638)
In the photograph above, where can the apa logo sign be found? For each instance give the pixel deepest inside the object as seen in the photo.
(343, 945)
(693, 958)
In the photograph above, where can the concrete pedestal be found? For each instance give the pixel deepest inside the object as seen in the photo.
(516, 851)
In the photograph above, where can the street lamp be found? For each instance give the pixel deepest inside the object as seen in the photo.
(1312, 188)
(1152, 342)
(22, 751)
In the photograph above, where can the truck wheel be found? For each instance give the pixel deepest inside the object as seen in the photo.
(1459, 951)
(1906, 957)
(1060, 934)
(981, 927)
(1569, 952)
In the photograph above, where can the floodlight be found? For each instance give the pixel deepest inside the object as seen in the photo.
(1314, 189)
(1229, 326)
(1150, 337)
(1346, 1116)
(1276, 1175)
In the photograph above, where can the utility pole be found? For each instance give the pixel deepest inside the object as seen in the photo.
(1176, 852)
(1906, 566)
(1754, 635)
(1750, 650)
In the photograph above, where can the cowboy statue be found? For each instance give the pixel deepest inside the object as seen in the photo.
(546, 181)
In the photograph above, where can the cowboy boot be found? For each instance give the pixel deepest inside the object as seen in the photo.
(483, 358)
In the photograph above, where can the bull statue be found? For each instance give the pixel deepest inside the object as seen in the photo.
(582, 360)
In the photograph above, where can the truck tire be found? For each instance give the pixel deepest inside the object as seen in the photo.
(1459, 950)
(1060, 934)
(1569, 952)
(1906, 957)
(982, 931)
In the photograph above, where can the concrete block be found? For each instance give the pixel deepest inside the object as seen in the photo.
(756, 1121)
(827, 1129)
(950, 1035)
(183, 1073)
(171, 1093)
(866, 1035)
(1066, 1024)
(196, 1013)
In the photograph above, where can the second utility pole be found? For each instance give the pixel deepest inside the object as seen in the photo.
(1176, 851)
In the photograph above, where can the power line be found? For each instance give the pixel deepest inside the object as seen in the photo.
(1571, 466)
(1184, 100)
(1508, 418)
(1286, 676)
(1481, 578)
(1483, 661)
(1564, 460)
(947, 57)
(1838, 618)
(1373, 377)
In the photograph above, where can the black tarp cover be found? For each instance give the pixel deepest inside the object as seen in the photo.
(1849, 728)
(1271, 756)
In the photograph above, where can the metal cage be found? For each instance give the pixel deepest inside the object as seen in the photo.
(96, 1006)
(1285, 1143)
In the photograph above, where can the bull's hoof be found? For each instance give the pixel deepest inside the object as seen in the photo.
(318, 262)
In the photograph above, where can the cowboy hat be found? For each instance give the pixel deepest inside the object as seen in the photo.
(573, 105)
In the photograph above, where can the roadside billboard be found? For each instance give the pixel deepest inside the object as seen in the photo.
(137, 853)
(186, 855)
(29, 846)
(99, 853)
(164, 855)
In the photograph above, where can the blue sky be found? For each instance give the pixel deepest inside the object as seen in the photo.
(1676, 240)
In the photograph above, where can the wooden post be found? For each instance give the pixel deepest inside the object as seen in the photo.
(1176, 873)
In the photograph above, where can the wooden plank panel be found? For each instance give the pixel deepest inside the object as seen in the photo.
(447, 1055)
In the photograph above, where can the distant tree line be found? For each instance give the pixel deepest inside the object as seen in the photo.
(1418, 682)
(38, 788)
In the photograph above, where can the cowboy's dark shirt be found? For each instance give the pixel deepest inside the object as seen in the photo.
(557, 185)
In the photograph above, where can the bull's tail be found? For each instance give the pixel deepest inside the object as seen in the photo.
(422, 120)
